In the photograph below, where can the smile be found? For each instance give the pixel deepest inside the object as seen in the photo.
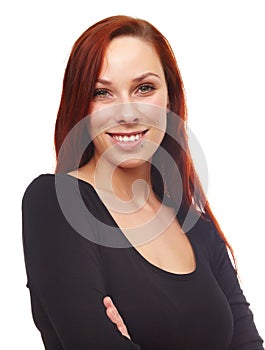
(128, 137)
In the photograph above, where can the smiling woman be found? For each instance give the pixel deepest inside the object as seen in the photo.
(122, 250)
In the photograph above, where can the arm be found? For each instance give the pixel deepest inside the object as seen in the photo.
(65, 277)
(245, 336)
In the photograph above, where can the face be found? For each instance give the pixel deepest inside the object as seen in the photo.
(127, 117)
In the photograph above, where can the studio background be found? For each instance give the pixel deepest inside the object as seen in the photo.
(219, 46)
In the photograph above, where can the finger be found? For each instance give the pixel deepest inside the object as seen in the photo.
(115, 317)
(112, 315)
(108, 302)
(111, 307)
(111, 310)
(123, 330)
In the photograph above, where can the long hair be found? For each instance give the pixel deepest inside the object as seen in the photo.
(80, 77)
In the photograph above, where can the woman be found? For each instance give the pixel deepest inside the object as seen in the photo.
(121, 248)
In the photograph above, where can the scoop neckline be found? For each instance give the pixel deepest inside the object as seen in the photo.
(155, 268)
(169, 274)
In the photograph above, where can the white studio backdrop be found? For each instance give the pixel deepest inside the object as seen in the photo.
(219, 46)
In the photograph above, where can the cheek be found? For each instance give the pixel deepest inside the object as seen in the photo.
(161, 99)
(99, 120)
(156, 116)
(98, 144)
(93, 107)
(93, 127)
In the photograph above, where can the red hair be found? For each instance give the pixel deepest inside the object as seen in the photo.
(81, 73)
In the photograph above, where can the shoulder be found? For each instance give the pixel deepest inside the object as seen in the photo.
(39, 198)
(48, 185)
(61, 199)
(205, 231)
(40, 184)
(49, 190)
(39, 188)
(206, 237)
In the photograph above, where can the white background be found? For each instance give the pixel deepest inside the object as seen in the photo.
(219, 46)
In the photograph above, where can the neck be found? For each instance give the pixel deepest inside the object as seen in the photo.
(125, 183)
(121, 189)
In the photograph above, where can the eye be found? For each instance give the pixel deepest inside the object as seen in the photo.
(145, 88)
(101, 93)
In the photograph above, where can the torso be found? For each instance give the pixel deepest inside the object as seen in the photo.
(184, 311)
(168, 248)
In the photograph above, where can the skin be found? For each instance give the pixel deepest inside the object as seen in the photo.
(115, 317)
(131, 98)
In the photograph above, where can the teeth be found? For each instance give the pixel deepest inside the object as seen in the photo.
(131, 138)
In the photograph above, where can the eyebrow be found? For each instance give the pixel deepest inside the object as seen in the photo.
(145, 75)
(137, 79)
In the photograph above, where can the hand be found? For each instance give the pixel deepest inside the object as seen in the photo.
(115, 317)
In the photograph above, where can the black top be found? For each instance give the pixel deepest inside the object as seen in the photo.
(69, 274)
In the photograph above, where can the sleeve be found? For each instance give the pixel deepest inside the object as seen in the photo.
(245, 335)
(64, 277)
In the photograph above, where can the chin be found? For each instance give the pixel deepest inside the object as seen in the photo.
(132, 163)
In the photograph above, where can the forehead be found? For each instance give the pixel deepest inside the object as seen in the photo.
(131, 54)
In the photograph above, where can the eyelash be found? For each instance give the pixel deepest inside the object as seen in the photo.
(149, 86)
(98, 93)
(102, 92)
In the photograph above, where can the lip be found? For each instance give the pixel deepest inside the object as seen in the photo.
(128, 133)
(127, 145)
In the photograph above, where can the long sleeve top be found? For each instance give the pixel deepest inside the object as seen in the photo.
(69, 273)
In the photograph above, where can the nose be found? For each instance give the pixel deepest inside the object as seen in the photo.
(127, 112)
